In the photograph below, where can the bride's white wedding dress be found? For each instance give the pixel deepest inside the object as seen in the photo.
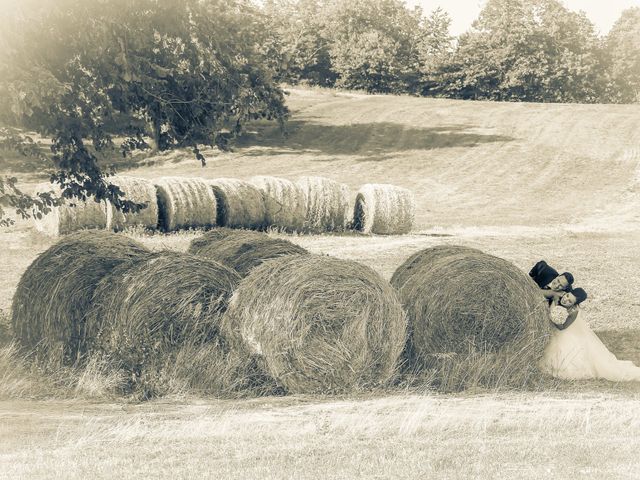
(577, 353)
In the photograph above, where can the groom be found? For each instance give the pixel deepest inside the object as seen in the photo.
(548, 278)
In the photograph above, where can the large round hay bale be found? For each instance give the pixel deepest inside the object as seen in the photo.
(144, 313)
(72, 215)
(242, 250)
(326, 204)
(137, 190)
(461, 302)
(185, 203)
(384, 209)
(318, 324)
(284, 202)
(55, 291)
(240, 204)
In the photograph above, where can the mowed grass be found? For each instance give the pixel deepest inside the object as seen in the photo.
(520, 181)
(497, 436)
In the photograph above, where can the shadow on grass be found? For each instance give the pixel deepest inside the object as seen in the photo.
(624, 344)
(374, 141)
(371, 141)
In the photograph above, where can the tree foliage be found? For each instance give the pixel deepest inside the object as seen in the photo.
(527, 50)
(435, 50)
(185, 74)
(297, 45)
(623, 47)
(373, 45)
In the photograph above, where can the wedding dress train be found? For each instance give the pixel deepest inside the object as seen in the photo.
(577, 353)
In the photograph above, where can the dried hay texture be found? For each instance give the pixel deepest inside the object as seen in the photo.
(474, 308)
(138, 190)
(326, 204)
(240, 204)
(55, 292)
(242, 250)
(185, 203)
(73, 215)
(384, 209)
(284, 203)
(318, 324)
(144, 314)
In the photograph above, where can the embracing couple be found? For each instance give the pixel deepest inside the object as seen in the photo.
(558, 290)
(576, 352)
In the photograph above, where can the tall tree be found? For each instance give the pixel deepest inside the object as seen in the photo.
(528, 50)
(623, 47)
(297, 45)
(185, 74)
(373, 44)
(435, 49)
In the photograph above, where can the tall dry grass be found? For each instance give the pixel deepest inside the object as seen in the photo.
(21, 377)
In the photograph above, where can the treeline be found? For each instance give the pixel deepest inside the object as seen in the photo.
(516, 50)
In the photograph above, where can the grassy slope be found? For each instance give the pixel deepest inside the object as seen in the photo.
(470, 163)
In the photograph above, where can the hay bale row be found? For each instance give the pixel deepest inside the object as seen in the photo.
(462, 302)
(384, 209)
(241, 250)
(326, 204)
(300, 322)
(137, 190)
(185, 203)
(240, 204)
(318, 324)
(56, 290)
(311, 204)
(74, 214)
(284, 202)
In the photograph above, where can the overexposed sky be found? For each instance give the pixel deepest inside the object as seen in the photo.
(603, 13)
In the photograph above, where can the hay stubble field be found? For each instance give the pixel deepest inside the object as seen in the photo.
(520, 181)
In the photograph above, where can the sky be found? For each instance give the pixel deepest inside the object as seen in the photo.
(603, 13)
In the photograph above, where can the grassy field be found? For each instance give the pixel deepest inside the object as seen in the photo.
(521, 181)
(505, 436)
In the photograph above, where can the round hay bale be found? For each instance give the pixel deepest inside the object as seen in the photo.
(138, 190)
(318, 324)
(461, 302)
(242, 250)
(204, 241)
(144, 313)
(284, 202)
(384, 209)
(185, 203)
(326, 204)
(55, 291)
(240, 204)
(73, 215)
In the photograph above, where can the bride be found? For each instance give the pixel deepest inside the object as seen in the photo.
(574, 351)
